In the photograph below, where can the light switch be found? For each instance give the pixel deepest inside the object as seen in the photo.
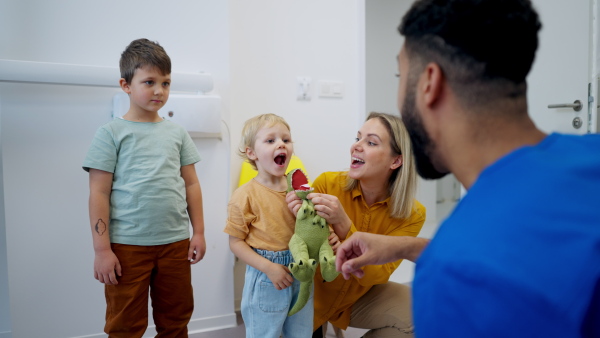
(331, 89)
(303, 88)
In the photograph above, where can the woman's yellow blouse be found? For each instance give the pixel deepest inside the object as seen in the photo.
(333, 300)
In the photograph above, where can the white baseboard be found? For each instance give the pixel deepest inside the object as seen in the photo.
(203, 324)
(212, 323)
(95, 335)
(195, 326)
(6, 334)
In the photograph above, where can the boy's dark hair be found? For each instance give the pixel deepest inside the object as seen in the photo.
(487, 47)
(141, 53)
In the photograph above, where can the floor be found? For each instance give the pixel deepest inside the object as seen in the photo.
(239, 332)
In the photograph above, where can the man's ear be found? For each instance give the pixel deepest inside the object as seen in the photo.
(124, 85)
(397, 162)
(433, 80)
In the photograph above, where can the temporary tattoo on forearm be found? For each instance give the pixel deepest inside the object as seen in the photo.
(100, 227)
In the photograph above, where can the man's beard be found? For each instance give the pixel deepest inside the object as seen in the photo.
(422, 145)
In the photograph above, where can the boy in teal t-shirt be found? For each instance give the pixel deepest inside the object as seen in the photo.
(144, 192)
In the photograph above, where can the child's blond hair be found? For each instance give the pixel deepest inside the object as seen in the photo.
(251, 128)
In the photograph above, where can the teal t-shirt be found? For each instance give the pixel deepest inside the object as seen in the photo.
(148, 200)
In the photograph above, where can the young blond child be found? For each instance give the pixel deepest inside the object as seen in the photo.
(260, 226)
(143, 193)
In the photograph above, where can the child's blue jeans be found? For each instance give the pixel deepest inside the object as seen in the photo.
(265, 309)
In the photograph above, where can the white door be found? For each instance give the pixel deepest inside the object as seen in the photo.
(562, 69)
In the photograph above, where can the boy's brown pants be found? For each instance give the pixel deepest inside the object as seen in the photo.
(166, 272)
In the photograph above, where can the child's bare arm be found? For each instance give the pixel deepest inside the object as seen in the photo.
(193, 194)
(106, 264)
(278, 274)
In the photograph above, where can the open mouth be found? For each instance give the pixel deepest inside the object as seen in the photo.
(280, 159)
(357, 161)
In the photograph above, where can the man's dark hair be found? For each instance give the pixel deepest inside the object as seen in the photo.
(487, 46)
(141, 53)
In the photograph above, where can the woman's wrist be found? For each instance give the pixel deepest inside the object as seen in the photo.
(342, 229)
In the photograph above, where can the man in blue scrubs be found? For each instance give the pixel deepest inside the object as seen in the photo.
(520, 254)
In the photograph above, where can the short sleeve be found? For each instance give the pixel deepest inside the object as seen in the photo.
(102, 154)
(239, 216)
(189, 153)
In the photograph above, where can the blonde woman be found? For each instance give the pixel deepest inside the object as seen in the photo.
(376, 195)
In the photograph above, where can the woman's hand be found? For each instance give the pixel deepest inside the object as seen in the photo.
(330, 208)
(294, 202)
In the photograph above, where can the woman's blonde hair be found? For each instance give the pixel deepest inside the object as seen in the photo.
(402, 186)
(251, 128)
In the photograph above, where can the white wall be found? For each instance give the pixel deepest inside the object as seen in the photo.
(382, 45)
(46, 130)
(5, 326)
(273, 42)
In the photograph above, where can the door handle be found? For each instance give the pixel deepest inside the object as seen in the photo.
(575, 105)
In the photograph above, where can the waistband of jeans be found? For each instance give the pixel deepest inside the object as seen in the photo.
(273, 254)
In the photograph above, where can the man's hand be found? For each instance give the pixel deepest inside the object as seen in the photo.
(363, 248)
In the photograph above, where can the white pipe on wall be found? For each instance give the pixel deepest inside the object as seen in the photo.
(70, 74)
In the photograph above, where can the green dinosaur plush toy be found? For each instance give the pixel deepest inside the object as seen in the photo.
(309, 244)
